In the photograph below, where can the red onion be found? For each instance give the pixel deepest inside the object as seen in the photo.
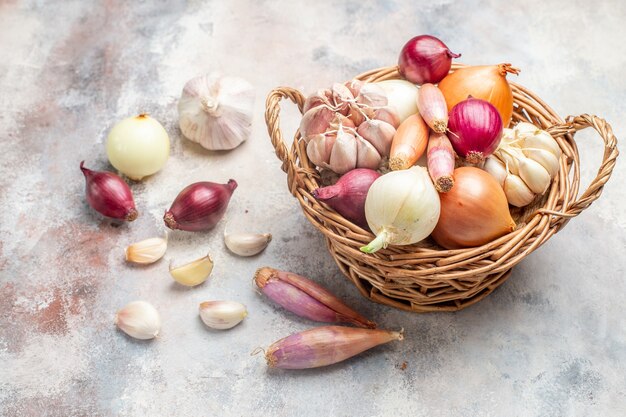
(475, 129)
(347, 196)
(199, 206)
(109, 195)
(425, 59)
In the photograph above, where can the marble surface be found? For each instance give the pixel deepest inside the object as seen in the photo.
(550, 342)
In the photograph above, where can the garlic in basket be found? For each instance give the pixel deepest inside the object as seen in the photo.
(216, 111)
(343, 131)
(525, 163)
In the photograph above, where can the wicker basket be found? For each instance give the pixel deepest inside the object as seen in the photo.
(424, 277)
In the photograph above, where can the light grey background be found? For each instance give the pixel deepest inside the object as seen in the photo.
(550, 342)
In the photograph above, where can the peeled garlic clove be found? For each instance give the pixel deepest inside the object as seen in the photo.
(542, 140)
(317, 120)
(147, 251)
(367, 155)
(247, 244)
(321, 97)
(545, 158)
(372, 95)
(389, 115)
(343, 156)
(534, 175)
(193, 273)
(139, 319)
(517, 193)
(378, 133)
(216, 111)
(497, 169)
(222, 314)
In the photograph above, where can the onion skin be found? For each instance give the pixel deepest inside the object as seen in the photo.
(347, 196)
(199, 206)
(474, 212)
(486, 82)
(109, 195)
(425, 59)
(475, 129)
(409, 143)
(324, 346)
(306, 298)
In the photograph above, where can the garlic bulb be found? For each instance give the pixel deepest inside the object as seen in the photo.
(401, 96)
(222, 314)
(525, 163)
(139, 319)
(216, 111)
(402, 207)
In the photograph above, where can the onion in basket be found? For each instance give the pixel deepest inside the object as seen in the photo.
(402, 207)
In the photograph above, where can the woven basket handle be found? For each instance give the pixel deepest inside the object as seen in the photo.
(272, 120)
(591, 194)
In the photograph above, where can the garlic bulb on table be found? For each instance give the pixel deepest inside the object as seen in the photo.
(216, 111)
(525, 163)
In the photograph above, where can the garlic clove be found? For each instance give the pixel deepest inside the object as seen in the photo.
(517, 193)
(387, 114)
(318, 149)
(354, 86)
(342, 96)
(510, 161)
(543, 140)
(247, 244)
(341, 121)
(147, 251)
(320, 97)
(194, 273)
(508, 138)
(367, 155)
(343, 156)
(379, 134)
(524, 129)
(496, 168)
(139, 319)
(545, 158)
(356, 114)
(317, 120)
(534, 175)
(222, 314)
(216, 111)
(372, 95)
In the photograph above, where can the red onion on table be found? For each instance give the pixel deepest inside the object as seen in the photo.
(475, 129)
(199, 206)
(347, 196)
(425, 59)
(109, 195)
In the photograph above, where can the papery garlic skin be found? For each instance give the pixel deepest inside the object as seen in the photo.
(216, 111)
(194, 273)
(402, 96)
(147, 251)
(222, 315)
(247, 244)
(139, 319)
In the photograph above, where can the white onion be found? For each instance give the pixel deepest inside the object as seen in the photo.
(402, 207)
(138, 146)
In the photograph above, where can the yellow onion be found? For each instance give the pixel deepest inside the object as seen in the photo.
(474, 212)
(486, 82)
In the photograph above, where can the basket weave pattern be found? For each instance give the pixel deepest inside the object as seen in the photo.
(424, 277)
